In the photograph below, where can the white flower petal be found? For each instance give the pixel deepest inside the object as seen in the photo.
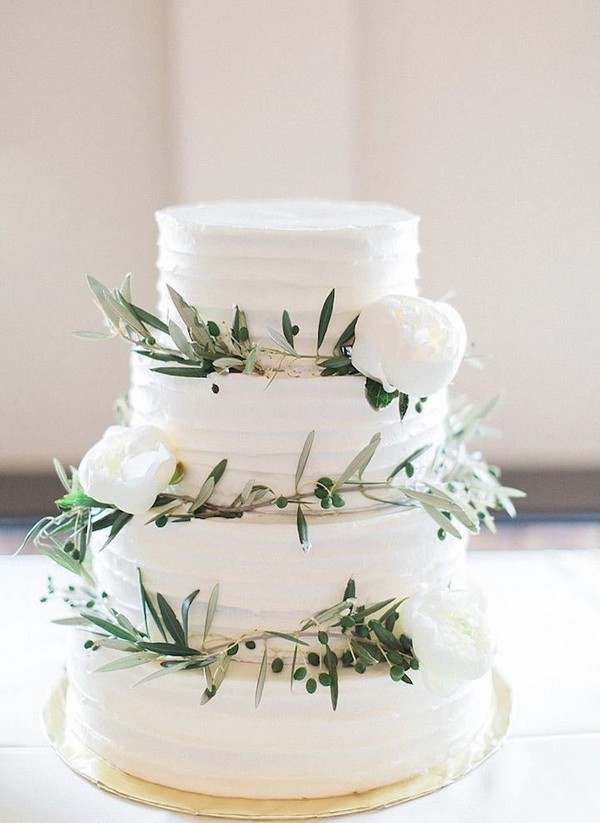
(409, 343)
(450, 635)
(128, 468)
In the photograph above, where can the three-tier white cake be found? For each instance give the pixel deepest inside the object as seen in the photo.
(287, 542)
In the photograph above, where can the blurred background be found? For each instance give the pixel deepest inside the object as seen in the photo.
(484, 118)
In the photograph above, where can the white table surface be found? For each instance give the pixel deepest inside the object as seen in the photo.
(545, 606)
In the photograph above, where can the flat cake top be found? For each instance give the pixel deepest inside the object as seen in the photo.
(288, 215)
(287, 230)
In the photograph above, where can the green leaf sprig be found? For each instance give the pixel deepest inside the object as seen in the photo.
(65, 537)
(457, 489)
(202, 347)
(345, 635)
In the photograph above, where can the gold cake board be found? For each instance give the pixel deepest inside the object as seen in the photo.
(107, 777)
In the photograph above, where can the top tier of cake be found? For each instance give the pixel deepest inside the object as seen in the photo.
(266, 256)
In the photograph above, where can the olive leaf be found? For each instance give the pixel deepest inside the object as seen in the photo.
(303, 534)
(148, 319)
(303, 458)
(203, 495)
(149, 607)
(181, 341)
(185, 311)
(210, 610)
(121, 520)
(170, 621)
(442, 520)
(208, 486)
(185, 613)
(330, 660)
(181, 371)
(350, 590)
(283, 344)
(239, 330)
(262, 676)
(403, 401)
(359, 463)
(287, 328)
(409, 460)
(291, 637)
(325, 317)
(346, 338)
(108, 626)
(133, 659)
(163, 671)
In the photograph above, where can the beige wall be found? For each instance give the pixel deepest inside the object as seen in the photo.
(263, 99)
(82, 169)
(484, 117)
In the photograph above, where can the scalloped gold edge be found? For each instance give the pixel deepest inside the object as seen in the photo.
(87, 764)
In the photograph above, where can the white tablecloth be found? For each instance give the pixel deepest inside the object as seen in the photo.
(545, 606)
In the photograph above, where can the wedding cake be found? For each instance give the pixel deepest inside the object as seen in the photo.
(271, 543)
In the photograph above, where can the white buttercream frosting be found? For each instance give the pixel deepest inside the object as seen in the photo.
(267, 256)
(293, 745)
(265, 580)
(260, 426)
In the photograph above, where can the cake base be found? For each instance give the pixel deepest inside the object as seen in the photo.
(87, 764)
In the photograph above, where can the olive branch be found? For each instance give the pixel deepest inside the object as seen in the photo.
(458, 490)
(202, 347)
(344, 635)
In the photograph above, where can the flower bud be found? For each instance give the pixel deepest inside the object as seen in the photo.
(450, 636)
(128, 468)
(409, 344)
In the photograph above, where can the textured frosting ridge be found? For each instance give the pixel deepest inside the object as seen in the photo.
(265, 580)
(260, 426)
(266, 256)
(291, 746)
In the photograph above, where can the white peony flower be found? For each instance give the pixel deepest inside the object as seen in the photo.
(450, 636)
(409, 343)
(128, 468)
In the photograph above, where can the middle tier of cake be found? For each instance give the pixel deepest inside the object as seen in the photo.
(266, 581)
(260, 425)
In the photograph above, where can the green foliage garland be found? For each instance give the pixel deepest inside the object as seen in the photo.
(345, 635)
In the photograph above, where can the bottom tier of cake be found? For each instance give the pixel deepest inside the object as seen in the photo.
(292, 746)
